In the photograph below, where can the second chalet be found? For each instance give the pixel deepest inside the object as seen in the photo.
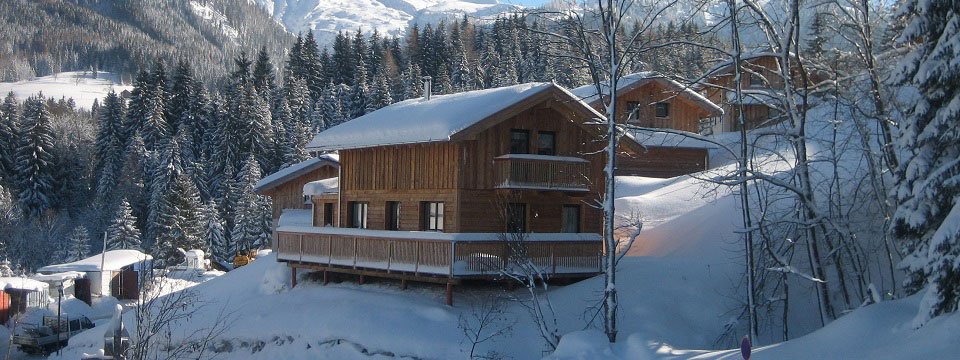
(425, 189)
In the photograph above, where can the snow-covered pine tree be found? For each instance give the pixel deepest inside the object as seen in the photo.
(928, 178)
(412, 82)
(264, 79)
(380, 96)
(77, 245)
(247, 222)
(110, 144)
(180, 110)
(342, 59)
(34, 162)
(312, 69)
(357, 106)
(216, 243)
(180, 221)
(9, 129)
(123, 232)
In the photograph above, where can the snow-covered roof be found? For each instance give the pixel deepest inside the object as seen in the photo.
(295, 217)
(321, 187)
(420, 120)
(588, 93)
(670, 140)
(113, 260)
(293, 171)
(57, 277)
(22, 283)
(724, 66)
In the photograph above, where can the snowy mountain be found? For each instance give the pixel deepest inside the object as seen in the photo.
(390, 17)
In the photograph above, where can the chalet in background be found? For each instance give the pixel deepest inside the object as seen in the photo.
(762, 84)
(428, 188)
(650, 100)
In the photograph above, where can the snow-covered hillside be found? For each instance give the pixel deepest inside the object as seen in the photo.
(82, 86)
(390, 17)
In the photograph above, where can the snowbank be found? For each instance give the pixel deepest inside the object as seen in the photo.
(22, 283)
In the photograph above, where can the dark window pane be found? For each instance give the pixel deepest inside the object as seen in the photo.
(633, 110)
(358, 214)
(663, 109)
(517, 218)
(393, 215)
(327, 214)
(547, 143)
(519, 141)
(432, 218)
(570, 219)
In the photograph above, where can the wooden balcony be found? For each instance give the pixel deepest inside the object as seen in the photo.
(541, 172)
(439, 256)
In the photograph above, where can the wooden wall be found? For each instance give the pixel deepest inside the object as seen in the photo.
(484, 210)
(289, 195)
(661, 162)
(684, 114)
(318, 208)
(769, 67)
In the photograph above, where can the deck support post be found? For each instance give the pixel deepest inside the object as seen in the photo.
(293, 277)
(360, 279)
(450, 294)
(403, 284)
(326, 278)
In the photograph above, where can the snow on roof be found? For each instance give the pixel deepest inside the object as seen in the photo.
(113, 260)
(419, 121)
(57, 277)
(295, 217)
(746, 56)
(664, 139)
(588, 93)
(22, 283)
(283, 175)
(320, 187)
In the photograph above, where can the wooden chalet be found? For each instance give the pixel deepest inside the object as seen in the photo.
(649, 100)
(429, 188)
(762, 85)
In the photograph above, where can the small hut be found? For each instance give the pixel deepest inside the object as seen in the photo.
(115, 273)
(17, 294)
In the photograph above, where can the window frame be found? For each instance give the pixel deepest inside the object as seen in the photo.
(392, 215)
(327, 214)
(553, 143)
(432, 215)
(633, 107)
(364, 208)
(563, 218)
(513, 145)
(665, 107)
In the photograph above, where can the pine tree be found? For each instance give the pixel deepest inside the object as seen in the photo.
(9, 130)
(215, 240)
(122, 232)
(34, 163)
(77, 246)
(247, 222)
(928, 215)
(110, 143)
(381, 96)
(180, 221)
(264, 79)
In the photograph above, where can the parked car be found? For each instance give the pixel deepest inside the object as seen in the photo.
(49, 336)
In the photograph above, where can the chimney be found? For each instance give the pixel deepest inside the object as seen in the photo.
(427, 87)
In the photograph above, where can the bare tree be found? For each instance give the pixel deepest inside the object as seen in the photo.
(486, 321)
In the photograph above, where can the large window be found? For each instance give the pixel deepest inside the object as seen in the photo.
(358, 214)
(517, 218)
(519, 141)
(327, 214)
(393, 215)
(662, 109)
(633, 111)
(432, 216)
(547, 143)
(570, 218)
(756, 79)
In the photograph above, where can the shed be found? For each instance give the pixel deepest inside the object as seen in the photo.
(118, 277)
(17, 294)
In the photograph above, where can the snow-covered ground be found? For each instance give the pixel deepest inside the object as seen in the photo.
(82, 86)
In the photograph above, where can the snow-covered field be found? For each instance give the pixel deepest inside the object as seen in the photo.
(82, 86)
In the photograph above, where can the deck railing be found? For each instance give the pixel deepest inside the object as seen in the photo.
(522, 171)
(476, 257)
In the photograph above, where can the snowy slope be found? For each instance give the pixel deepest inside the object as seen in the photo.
(390, 17)
(82, 86)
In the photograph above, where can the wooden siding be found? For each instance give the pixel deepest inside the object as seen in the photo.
(289, 195)
(723, 83)
(684, 114)
(318, 208)
(483, 211)
(400, 167)
(410, 207)
(662, 162)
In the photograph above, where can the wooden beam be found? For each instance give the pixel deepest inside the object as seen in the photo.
(293, 277)
(450, 294)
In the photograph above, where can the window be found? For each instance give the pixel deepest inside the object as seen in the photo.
(432, 216)
(327, 214)
(756, 79)
(517, 218)
(773, 113)
(662, 109)
(519, 141)
(393, 215)
(570, 219)
(306, 200)
(547, 143)
(633, 111)
(358, 214)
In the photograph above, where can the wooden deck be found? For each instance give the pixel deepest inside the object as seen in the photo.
(434, 257)
(542, 172)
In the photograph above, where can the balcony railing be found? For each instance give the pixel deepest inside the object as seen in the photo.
(438, 254)
(542, 172)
